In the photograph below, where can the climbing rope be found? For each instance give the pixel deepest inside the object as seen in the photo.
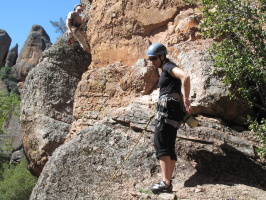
(114, 176)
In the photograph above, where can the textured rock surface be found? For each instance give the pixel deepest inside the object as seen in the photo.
(209, 94)
(12, 56)
(95, 164)
(47, 101)
(141, 78)
(5, 42)
(29, 56)
(13, 128)
(87, 163)
(122, 30)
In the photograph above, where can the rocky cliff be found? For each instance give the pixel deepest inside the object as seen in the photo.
(5, 42)
(82, 115)
(37, 41)
(12, 56)
(47, 101)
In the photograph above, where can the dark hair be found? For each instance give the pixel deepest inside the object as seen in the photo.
(76, 6)
(167, 59)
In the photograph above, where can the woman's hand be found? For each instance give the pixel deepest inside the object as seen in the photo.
(187, 105)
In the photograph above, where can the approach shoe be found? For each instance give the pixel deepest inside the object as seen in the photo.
(161, 187)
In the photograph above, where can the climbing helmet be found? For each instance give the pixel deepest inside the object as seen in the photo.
(156, 49)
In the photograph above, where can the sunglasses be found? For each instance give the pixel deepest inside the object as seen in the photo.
(79, 10)
(153, 58)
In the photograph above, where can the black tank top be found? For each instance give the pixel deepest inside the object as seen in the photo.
(167, 83)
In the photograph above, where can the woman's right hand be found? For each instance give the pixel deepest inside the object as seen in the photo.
(187, 105)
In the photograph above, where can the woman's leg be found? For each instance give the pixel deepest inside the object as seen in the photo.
(167, 166)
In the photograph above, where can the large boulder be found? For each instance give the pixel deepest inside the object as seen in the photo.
(108, 89)
(209, 94)
(102, 160)
(87, 153)
(47, 101)
(37, 41)
(5, 42)
(12, 56)
(142, 77)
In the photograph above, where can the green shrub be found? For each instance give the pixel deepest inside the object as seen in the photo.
(259, 130)
(16, 182)
(9, 78)
(239, 53)
(9, 107)
(9, 102)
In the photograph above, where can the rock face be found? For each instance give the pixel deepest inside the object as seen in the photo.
(209, 94)
(12, 56)
(47, 101)
(93, 156)
(123, 30)
(115, 99)
(5, 42)
(29, 56)
(107, 89)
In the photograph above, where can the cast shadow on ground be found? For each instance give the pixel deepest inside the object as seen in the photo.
(232, 168)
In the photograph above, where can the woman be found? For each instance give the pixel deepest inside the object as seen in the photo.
(171, 109)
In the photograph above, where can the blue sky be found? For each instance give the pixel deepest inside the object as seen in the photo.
(17, 18)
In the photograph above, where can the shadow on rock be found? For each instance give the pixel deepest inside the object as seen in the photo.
(229, 169)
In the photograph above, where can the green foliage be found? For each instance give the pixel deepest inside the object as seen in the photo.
(60, 25)
(192, 3)
(16, 182)
(259, 130)
(241, 53)
(9, 102)
(9, 107)
(8, 147)
(9, 79)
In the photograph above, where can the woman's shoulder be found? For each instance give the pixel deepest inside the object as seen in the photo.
(70, 14)
(169, 66)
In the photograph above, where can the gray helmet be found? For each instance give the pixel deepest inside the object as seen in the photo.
(156, 49)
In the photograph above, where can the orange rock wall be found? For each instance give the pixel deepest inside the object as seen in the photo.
(122, 30)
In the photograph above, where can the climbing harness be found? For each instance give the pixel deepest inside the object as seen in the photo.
(162, 116)
(114, 176)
